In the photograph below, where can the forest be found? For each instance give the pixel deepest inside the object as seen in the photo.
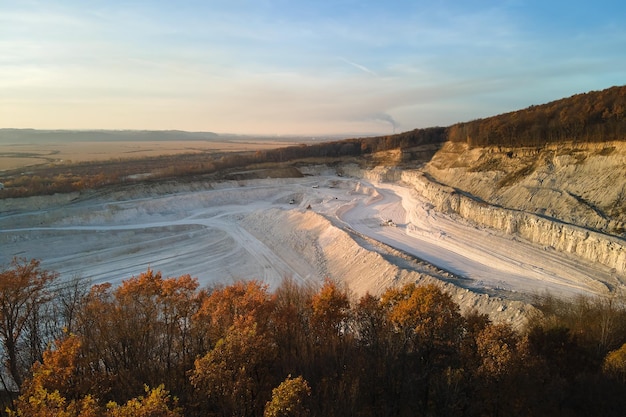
(596, 116)
(162, 346)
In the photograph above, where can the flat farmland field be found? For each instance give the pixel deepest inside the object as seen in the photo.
(34, 162)
(22, 155)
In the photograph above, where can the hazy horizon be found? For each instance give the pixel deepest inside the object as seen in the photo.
(297, 69)
(12, 134)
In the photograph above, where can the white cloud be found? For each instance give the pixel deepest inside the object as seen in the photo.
(359, 67)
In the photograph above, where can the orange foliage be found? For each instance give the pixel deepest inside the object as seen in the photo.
(424, 313)
(409, 352)
(140, 331)
(233, 374)
(330, 309)
(247, 302)
(155, 404)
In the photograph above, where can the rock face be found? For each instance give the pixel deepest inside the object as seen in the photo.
(550, 232)
(579, 184)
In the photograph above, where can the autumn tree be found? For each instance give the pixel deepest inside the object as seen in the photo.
(248, 301)
(502, 354)
(331, 345)
(429, 328)
(615, 363)
(235, 375)
(156, 403)
(43, 403)
(140, 333)
(375, 367)
(612, 388)
(53, 389)
(24, 290)
(290, 323)
(330, 311)
(96, 324)
(497, 346)
(58, 370)
(289, 399)
(370, 323)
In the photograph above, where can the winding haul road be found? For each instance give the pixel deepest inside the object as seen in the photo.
(492, 260)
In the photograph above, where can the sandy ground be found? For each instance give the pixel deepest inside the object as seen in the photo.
(265, 230)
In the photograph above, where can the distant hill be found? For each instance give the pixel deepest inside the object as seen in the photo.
(596, 116)
(45, 136)
(593, 117)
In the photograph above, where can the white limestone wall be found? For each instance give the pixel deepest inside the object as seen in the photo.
(594, 246)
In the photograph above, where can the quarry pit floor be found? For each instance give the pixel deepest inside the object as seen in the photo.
(302, 228)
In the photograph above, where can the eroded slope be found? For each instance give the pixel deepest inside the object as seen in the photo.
(580, 184)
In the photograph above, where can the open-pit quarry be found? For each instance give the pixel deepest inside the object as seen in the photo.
(365, 230)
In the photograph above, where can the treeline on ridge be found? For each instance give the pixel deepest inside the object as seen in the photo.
(157, 346)
(595, 116)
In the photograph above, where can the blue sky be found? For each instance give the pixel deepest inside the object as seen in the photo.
(298, 67)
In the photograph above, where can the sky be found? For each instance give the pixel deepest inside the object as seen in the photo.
(285, 67)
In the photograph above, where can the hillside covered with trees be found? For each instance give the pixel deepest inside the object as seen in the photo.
(597, 116)
(158, 346)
